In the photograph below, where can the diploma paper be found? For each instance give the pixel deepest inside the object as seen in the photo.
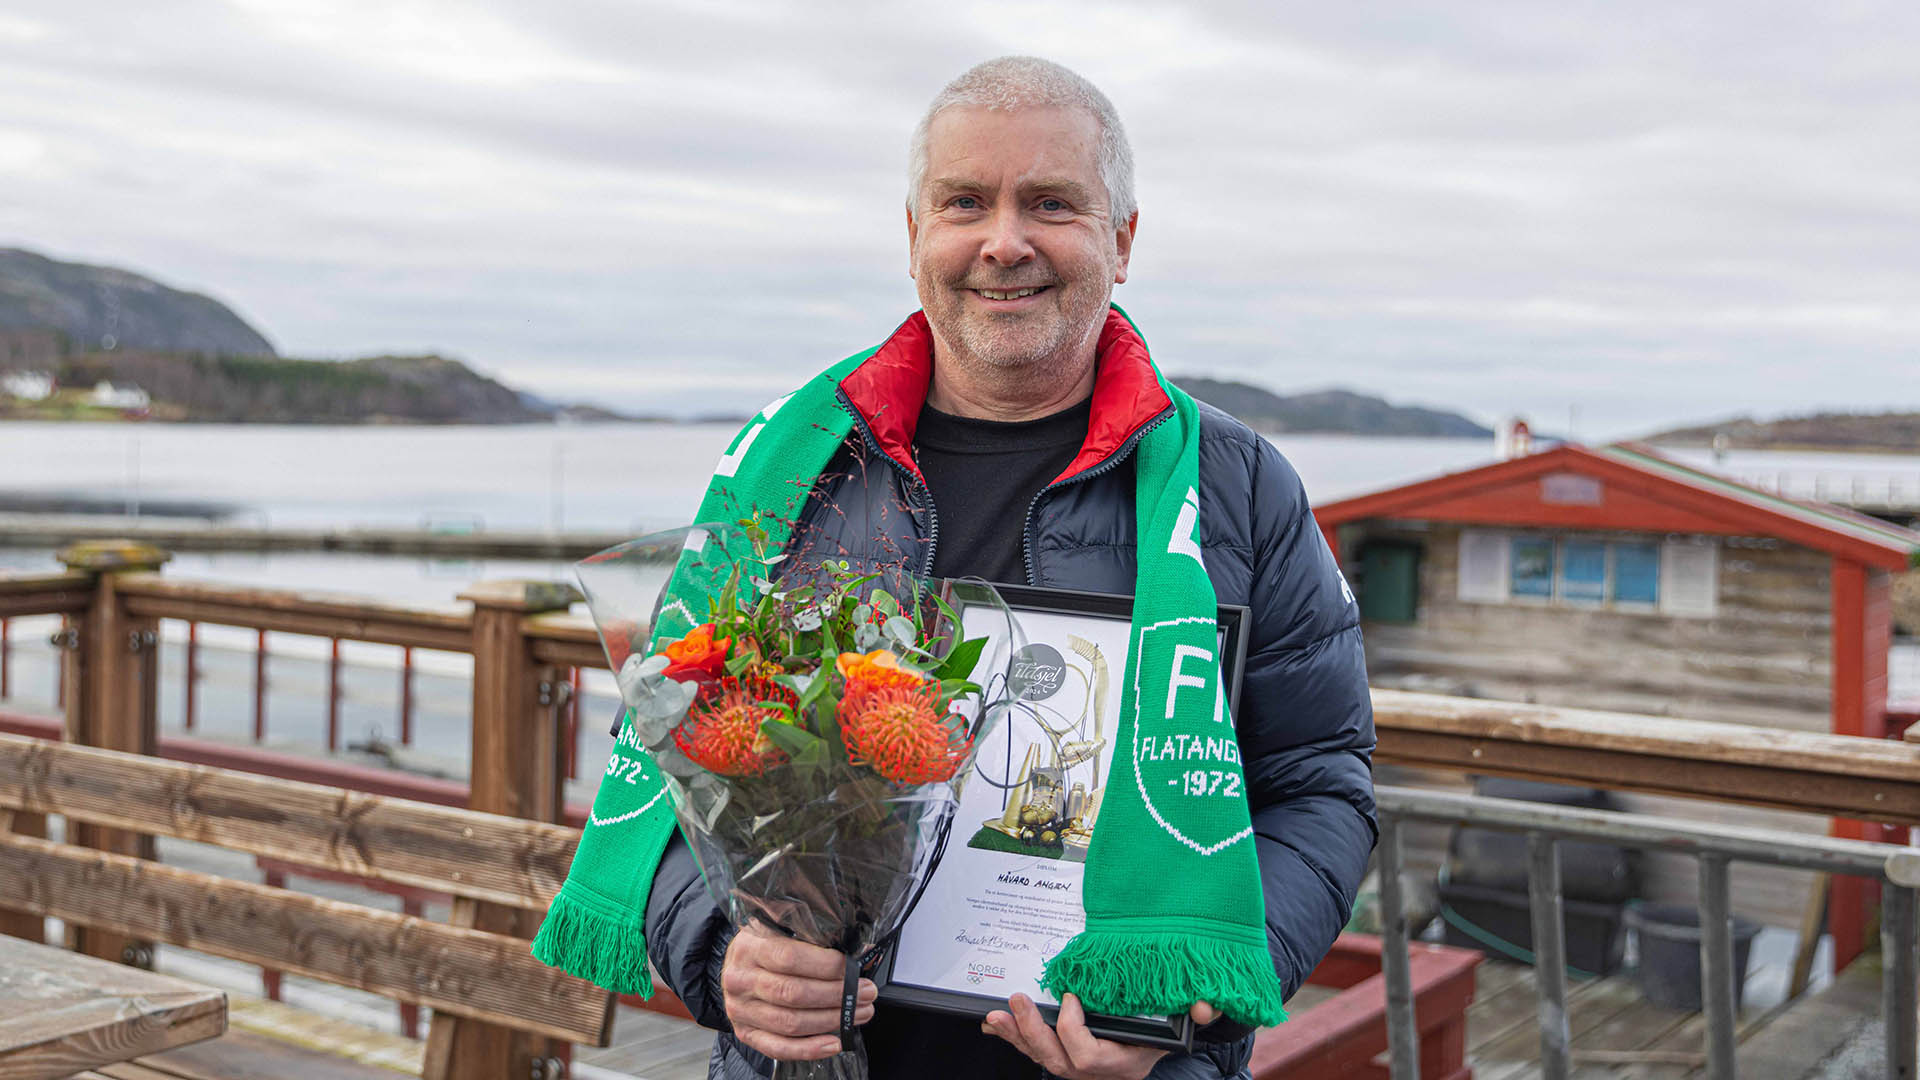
(1006, 895)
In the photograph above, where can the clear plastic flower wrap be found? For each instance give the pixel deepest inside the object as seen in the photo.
(813, 724)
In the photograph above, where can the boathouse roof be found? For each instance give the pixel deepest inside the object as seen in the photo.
(1629, 487)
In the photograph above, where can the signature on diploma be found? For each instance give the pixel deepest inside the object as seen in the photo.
(992, 941)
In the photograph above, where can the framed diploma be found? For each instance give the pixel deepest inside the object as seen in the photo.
(1006, 893)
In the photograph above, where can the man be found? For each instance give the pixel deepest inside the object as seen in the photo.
(995, 435)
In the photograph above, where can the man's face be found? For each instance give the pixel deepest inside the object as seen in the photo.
(1014, 250)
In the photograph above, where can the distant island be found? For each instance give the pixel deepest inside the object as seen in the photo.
(1890, 432)
(81, 342)
(1328, 412)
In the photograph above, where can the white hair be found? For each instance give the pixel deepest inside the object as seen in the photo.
(1016, 82)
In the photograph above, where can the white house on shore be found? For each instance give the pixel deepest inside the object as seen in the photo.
(124, 396)
(27, 385)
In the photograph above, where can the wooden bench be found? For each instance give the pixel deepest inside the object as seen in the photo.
(497, 1010)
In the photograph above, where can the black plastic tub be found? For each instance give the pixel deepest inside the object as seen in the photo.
(1669, 971)
(1499, 922)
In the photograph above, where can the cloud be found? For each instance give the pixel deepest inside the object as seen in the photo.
(1650, 213)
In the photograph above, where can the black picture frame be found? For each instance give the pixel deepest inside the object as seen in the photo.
(1170, 1033)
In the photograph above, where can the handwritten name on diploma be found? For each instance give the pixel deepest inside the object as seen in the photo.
(1011, 878)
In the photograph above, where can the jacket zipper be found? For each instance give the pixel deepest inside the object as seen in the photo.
(1107, 464)
(916, 488)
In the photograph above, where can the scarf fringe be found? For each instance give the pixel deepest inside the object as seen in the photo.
(1122, 973)
(581, 939)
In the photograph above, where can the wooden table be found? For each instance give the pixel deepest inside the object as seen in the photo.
(62, 1012)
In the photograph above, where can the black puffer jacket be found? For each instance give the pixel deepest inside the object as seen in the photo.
(1305, 720)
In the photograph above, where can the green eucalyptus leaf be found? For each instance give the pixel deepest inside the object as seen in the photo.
(900, 629)
(662, 699)
(675, 763)
(883, 602)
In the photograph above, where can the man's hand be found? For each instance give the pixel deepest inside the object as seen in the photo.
(783, 996)
(1068, 1049)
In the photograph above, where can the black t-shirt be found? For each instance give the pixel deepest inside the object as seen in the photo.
(983, 475)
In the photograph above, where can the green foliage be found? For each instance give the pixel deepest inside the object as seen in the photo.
(792, 637)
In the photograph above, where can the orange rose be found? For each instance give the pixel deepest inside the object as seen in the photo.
(697, 657)
(878, 668)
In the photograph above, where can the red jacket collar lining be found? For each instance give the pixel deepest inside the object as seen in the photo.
(888, 389)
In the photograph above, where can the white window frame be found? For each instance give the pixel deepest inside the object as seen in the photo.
(1690, 577)
(1688, 582)
(1495, 547)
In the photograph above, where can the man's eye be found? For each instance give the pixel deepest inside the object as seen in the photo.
(965, 202)
(1052, 206)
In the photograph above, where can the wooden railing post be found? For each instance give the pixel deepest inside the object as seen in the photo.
(109, 689)
(518, 771)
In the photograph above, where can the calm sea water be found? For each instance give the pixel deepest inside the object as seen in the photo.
(632, 478)
(623, 478)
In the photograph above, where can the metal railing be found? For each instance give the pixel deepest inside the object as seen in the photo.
(1715, 846)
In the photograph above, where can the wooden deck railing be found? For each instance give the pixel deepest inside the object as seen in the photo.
(528, 645)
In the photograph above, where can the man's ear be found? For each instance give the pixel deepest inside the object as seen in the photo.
(1123, 244)
(913, 235)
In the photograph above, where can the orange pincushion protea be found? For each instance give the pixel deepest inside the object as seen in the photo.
(902, 731)
(875, 669)
(721, 733)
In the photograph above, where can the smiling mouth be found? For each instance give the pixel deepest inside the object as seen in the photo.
(1011, 294)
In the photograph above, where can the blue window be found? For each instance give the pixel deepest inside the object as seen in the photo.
(1532, 567)
(1583, 572)
(1636, 574)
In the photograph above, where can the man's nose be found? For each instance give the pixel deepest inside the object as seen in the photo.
(1007, 243)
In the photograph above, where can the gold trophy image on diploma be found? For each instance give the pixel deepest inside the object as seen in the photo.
(1050, 809)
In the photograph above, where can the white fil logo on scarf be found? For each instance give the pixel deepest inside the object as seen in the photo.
(1185, 762)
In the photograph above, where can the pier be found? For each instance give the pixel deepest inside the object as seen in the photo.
(405, 899)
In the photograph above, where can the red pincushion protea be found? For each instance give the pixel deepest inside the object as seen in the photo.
(903, 732)
(721, 733)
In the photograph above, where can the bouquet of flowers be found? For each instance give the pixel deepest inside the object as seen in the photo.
(811, 725)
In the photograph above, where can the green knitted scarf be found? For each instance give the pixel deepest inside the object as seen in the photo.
(1175, 910)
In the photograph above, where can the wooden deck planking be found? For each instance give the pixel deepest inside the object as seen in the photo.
(1503, 997)
(1836, 1032)
(653, 1046)
(1516, 1054)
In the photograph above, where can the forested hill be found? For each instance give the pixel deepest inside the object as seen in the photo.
(196, 359)
(1330, 411)
(270, 390)
(100, 307)
(1896, 431)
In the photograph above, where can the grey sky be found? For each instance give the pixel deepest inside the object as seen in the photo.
(1651, 212)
